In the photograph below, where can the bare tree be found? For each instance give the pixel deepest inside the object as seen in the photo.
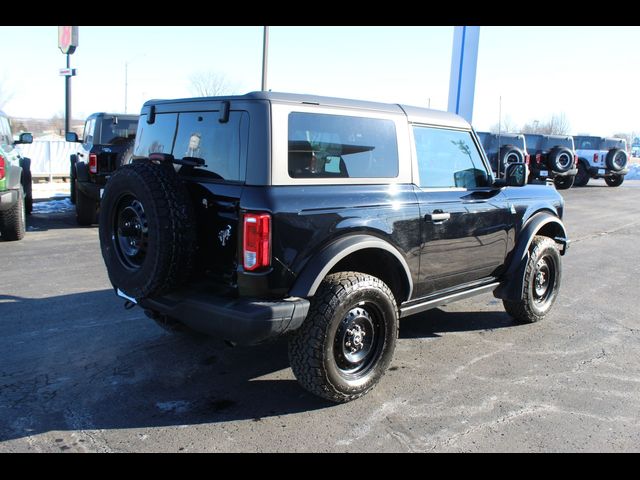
(210, 84)
(57, 123)
(508, 126)
(558, 124)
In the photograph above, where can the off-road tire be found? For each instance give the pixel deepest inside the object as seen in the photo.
(564, 183)
(617, 159)
(560, 159)
(582, 177)
(13, 220)
(315, 349)
(528, 309)
(72, 179)
(167, 242)
(86, 208)
(614, 180)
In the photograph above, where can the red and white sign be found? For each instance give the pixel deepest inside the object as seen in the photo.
(67, 39)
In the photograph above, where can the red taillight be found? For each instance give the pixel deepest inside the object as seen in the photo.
(93, 163)
(256, 241)
(527, 158)
(538, 157)
(2, 167)
(575, 159)
(595, 158)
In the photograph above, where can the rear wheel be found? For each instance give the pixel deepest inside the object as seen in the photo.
(564, 183)
(614, 180)
(541, 282)
(582, 177)
(86, 208)
(347, 340)
(13, 221)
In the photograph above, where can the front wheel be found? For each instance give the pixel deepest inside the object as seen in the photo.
(614, 180)
(347, 340)
(541, 282)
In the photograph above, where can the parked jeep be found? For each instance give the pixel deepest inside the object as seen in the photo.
(251, 217)
(107, 140)
(16, 199)
(504, 149)
(600, 157)
(552, 157)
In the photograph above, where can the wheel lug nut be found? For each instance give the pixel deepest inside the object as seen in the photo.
(348, 344)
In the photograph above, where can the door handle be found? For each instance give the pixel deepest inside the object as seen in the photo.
(438, 216)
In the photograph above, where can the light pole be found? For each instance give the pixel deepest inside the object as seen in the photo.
(265, 51)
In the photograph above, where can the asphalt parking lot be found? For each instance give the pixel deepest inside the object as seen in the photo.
(78, 372)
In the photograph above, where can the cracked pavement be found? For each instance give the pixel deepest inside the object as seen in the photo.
(79, 373)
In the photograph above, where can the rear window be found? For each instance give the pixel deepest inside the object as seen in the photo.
(118, 131)
(222, 146)
(610, 143)
(327, 146)
(587, 143)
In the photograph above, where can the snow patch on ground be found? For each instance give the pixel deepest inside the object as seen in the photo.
(634, 172)
(60, 205)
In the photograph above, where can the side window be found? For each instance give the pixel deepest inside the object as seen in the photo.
(327, 146)
(221, 145)
(157, 137)
(89, 126)
(448, 158)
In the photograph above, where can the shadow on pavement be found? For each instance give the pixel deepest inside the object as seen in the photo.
(82, 362)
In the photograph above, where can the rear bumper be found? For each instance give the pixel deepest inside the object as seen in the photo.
(245, 321)
(595, 172)
(535, 173)
(8, 199)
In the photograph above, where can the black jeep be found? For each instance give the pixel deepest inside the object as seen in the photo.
(251, 217)
(552, 157)
(107, 141)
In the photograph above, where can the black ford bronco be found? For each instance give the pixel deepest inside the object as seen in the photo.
(107, 141)
(323, 219)
(552, 157)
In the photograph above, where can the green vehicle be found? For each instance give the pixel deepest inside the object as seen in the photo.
(15, 183)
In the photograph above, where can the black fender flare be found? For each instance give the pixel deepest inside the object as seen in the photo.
(321, 264)
(82, 171)
(512, 284)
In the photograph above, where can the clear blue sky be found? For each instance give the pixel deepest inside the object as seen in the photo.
(592, 74)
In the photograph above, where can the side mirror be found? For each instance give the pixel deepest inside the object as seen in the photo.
(71, 137)
(516, 175)
(24, 138)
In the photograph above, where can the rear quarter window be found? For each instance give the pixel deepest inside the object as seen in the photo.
(327, 146)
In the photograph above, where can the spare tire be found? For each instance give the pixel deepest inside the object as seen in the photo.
(147, 229)
(560, 159)
(617, 159)
(510, 154)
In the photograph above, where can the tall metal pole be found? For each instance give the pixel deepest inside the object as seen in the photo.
(126, 66)
(67, 94)
(265, 51)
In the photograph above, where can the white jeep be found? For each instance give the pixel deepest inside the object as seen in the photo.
(600, 157)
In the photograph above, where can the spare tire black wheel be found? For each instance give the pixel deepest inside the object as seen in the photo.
(147, 229)
(510, 154)
(617, 159)
(560, 159)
